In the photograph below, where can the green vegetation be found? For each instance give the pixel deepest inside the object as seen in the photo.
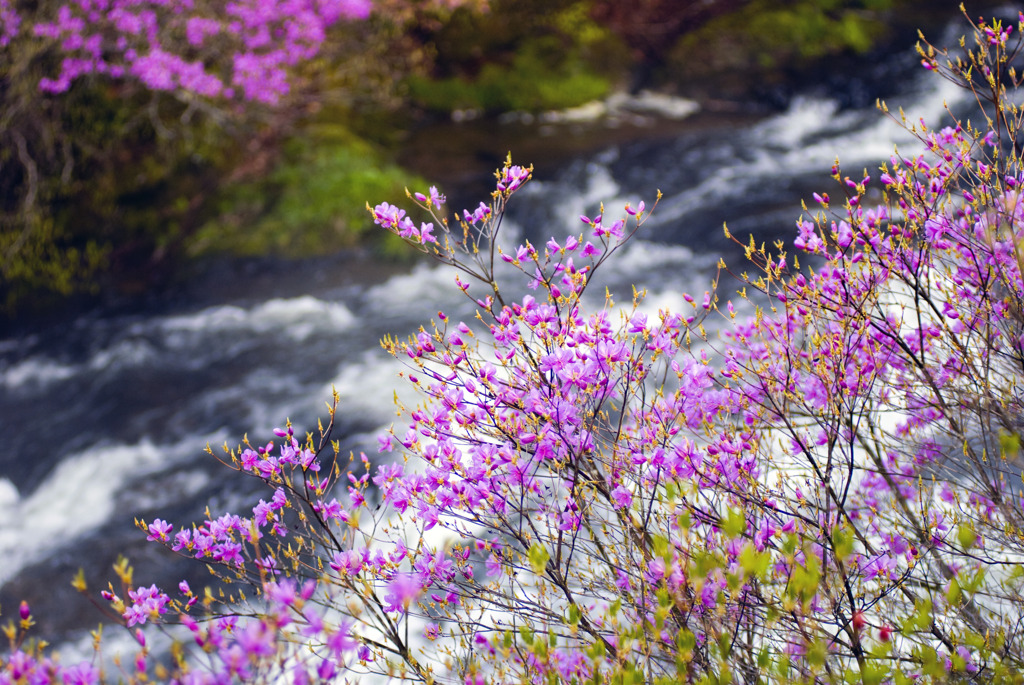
(311, 202)
(768, 35)
(95, 181)
(554, 57)
(532, 82)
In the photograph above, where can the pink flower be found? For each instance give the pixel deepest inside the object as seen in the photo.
(401, 591)
(146, 603)
(356, 9)
(159, 530)
(621, 497)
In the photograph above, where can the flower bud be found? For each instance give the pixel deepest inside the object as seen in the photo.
(858, 621)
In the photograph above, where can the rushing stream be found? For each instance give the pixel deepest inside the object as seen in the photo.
(105, 417)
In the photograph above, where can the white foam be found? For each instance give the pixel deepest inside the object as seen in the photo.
(79, 496)
(813, 132)
(806, 117)
(599, 187)
(414, 295)
(297, 318)
(35, 372)
(650, 102)
(808, 138)
(8, 494)
(165, 491)
(618, 105)
(128, 353)
(367, 389)
(639, 257)
(589, 111)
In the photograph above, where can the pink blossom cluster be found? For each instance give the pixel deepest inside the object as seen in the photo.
(390, 217)
(146, 603)
(260, 551)
(23, 667)
(241, 649)
(242, 48)
(10, 22)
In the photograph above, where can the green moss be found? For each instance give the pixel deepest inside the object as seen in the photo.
(553, 58)
(44, 265)
(534, 81)
(768, 34)
(312, 202)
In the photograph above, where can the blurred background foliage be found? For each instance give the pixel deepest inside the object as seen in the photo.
(529, 56)
(312, 200)
(110, 187)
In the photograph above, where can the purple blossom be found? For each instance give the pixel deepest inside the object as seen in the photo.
(159, 530)
(264, 38)
(146, 603)
(401, 591)
(10, 22)
(621, 497)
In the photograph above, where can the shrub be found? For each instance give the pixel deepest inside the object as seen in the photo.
(591, 492)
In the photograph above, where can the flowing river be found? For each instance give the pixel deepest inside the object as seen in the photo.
(105, 416)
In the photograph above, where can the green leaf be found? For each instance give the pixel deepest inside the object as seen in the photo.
(734, 523)
(539, 557)
(973, 639)
(954, 592)
(782, 667)
(660, 545)
(873, 673)
(966, 536)
(725, 644)
(842, 544)
(703, 562)
(806, 579)
(754, 563)
(575, 614)
(79, 582)
(1009, 445)
(615, 607)
(921, 619)
(816, 653)
(686, 639)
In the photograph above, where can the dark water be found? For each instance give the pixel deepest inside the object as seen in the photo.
(105, 417)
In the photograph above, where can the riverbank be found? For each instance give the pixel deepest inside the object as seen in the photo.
(300, 191)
